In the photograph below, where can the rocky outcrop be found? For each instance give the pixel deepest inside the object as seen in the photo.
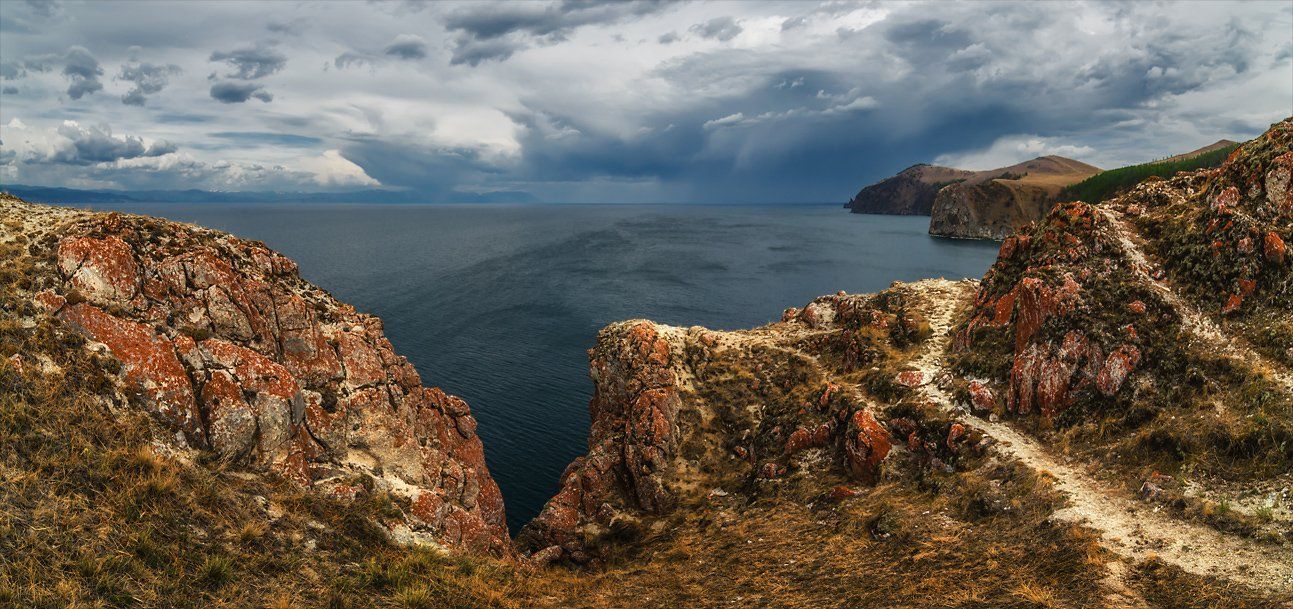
(235, 354)
(681, 414)
(632, 442)
(909, 193)
(1042, 283)
(996, 203)
(1074, 315)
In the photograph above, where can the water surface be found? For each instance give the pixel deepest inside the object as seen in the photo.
(498, 303)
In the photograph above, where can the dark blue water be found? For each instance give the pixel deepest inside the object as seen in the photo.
(498, 303)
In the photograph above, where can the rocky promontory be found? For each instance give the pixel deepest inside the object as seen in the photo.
(994, 204)
(235, 355)
(909, 193)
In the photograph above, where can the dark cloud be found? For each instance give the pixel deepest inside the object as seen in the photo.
(351, 59)
(668, 38)
(97, 145)
(229, 92)
(473, 52)
(494, 31)
(82, 71)
(184, 118)
(794, 22)
(718, 28)
(292, 28)
(252, 62)
(263, 138)
(9, 90)
(429, 169)
(148, 79)
(407, 46)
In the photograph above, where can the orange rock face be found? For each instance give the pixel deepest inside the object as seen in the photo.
(104, 270)
(632, 442)
(230, 349)
(866, 443)
(149, 366)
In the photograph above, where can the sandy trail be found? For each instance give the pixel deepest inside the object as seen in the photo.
(1129, 528)
(1200, 326)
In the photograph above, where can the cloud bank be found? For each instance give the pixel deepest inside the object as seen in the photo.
(619, 101)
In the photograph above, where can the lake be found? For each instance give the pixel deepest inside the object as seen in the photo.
(499, 303)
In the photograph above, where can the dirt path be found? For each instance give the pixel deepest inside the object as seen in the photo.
(1200, 326)
(1129, 528)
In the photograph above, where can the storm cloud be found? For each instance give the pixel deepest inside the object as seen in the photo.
(621, 101)
(718, 28)
(147, 78)
(407, 46)
(229, 92)
(251, 63)
(82, 71)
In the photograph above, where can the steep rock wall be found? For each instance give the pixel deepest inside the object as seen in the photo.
(235, 354)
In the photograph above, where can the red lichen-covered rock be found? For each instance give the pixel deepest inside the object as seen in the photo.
(1034, 301)
(803, 438)
(237, 354)
(104, 270)
(981, 397)
(149, 365)
(1043, 376)
(1120, 364)
(910, 378)
(825, 399)
(1226, 199)
(954, 435)
(1273, 248)
(231, 422)
(1233, 303)
(866, 444)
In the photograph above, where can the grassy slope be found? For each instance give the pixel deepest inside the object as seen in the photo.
(1106, 184)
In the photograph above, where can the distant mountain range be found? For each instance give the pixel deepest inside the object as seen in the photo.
(49, 194)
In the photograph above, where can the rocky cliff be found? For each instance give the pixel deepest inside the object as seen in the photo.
(995, 203)
(236, 356)
(680, 412)
(909, 193)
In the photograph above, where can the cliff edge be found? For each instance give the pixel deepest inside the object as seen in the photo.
(235, 356)
(909, 193)
(994, 204)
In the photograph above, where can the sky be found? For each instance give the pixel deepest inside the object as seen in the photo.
(642, 101)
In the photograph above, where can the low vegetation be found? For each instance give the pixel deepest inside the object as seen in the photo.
(1107, 184)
